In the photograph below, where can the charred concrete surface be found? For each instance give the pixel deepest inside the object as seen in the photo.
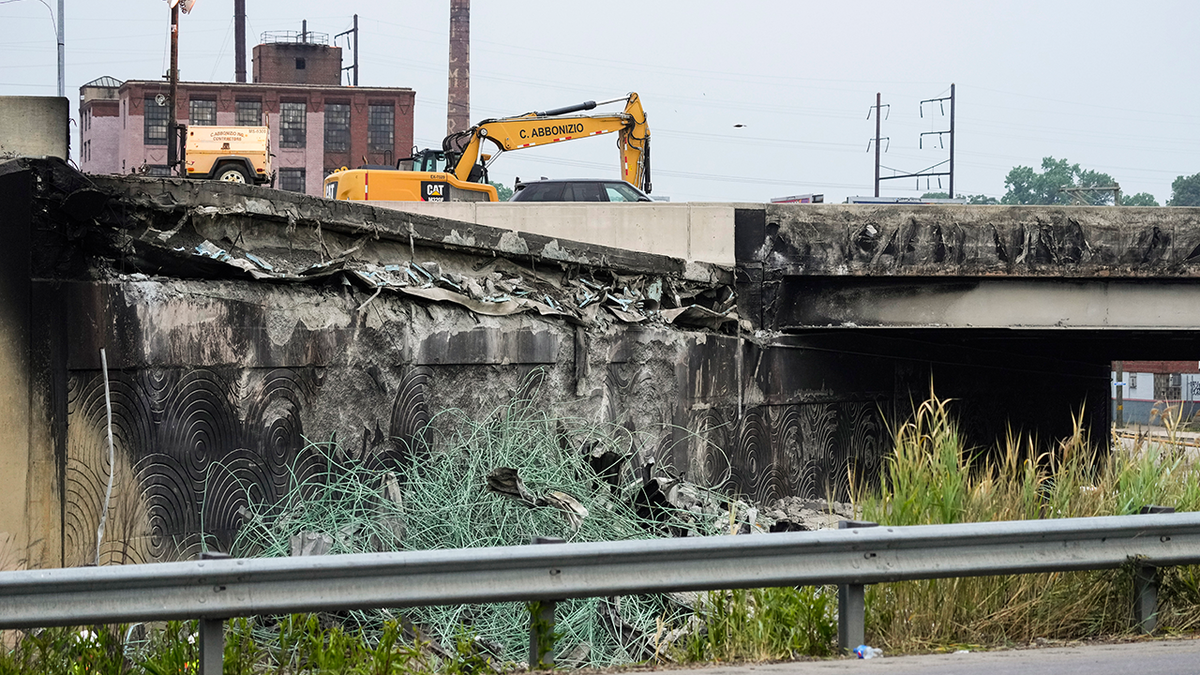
(1016, 312)
(239, 322)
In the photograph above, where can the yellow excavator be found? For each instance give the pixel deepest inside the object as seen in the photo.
(458, 172)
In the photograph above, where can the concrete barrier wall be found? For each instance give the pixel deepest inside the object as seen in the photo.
(692, 232)
(34, 126)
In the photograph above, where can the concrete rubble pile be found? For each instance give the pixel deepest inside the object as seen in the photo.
(504, 288)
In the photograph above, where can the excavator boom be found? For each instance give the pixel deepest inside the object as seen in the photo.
(463, 150)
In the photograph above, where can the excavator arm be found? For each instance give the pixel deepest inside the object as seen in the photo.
(465, 149)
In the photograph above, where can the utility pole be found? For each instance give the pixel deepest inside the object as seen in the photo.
(173, 119)
(878, 106)
(878, 99)
(62, 51)
(1119, 366)
(930, 172)
(951, 140)
(355, 49)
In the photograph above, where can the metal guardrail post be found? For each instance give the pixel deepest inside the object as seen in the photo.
(852, 603)
(212, 633)
(541, 623)
(1145, 585)
(212, 646)
(1145, 597)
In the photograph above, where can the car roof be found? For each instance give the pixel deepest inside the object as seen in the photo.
(572, 180)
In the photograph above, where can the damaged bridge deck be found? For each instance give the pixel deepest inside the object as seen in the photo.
(239, 323)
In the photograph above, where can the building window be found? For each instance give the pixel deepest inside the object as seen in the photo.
(381, 128)
(291, 124)
(156, 118)
(300, 64)
(202, 113)
(337, 127)
(159, 170)
(249, 114)
(291, 179)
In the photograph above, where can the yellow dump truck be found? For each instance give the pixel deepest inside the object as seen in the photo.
(234, 154)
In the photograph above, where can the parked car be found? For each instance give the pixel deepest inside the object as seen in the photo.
(577, 190)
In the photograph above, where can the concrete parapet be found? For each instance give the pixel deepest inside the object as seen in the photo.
(692, 232)
(34, 126)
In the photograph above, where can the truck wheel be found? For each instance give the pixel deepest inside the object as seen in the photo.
(232, 173)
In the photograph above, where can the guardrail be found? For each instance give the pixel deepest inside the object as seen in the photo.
(216, 589)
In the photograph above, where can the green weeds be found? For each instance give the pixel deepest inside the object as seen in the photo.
(933, 478)
(763, 624)
(290, 646)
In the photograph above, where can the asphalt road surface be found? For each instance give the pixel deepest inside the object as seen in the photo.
(1160, 657)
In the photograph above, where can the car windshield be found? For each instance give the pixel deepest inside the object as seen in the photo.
(620, 192)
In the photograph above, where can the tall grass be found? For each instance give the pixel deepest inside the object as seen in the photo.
(762, 624)
(932, 477)
(302, 643)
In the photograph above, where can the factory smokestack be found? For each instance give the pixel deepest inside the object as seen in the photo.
(458, 99)
(239, 40)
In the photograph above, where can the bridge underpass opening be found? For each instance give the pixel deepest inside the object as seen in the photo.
(1031, 381)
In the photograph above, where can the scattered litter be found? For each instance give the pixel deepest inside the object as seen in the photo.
(260, 262)
(507, 481)
(866, 652)
(310, 543)
(572, 510)
(211, 250)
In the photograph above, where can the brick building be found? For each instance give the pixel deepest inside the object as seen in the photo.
(316, 124)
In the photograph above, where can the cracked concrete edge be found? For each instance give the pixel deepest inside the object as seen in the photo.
(977, 241)
(358, 219)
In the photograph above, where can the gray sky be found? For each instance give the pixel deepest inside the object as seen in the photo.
(1109, 85)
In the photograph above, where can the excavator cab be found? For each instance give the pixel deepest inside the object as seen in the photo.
(433, 161)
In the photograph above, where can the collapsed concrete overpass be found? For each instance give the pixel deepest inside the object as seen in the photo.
(238, 322)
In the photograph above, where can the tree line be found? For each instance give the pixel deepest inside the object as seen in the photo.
(1063, 183)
